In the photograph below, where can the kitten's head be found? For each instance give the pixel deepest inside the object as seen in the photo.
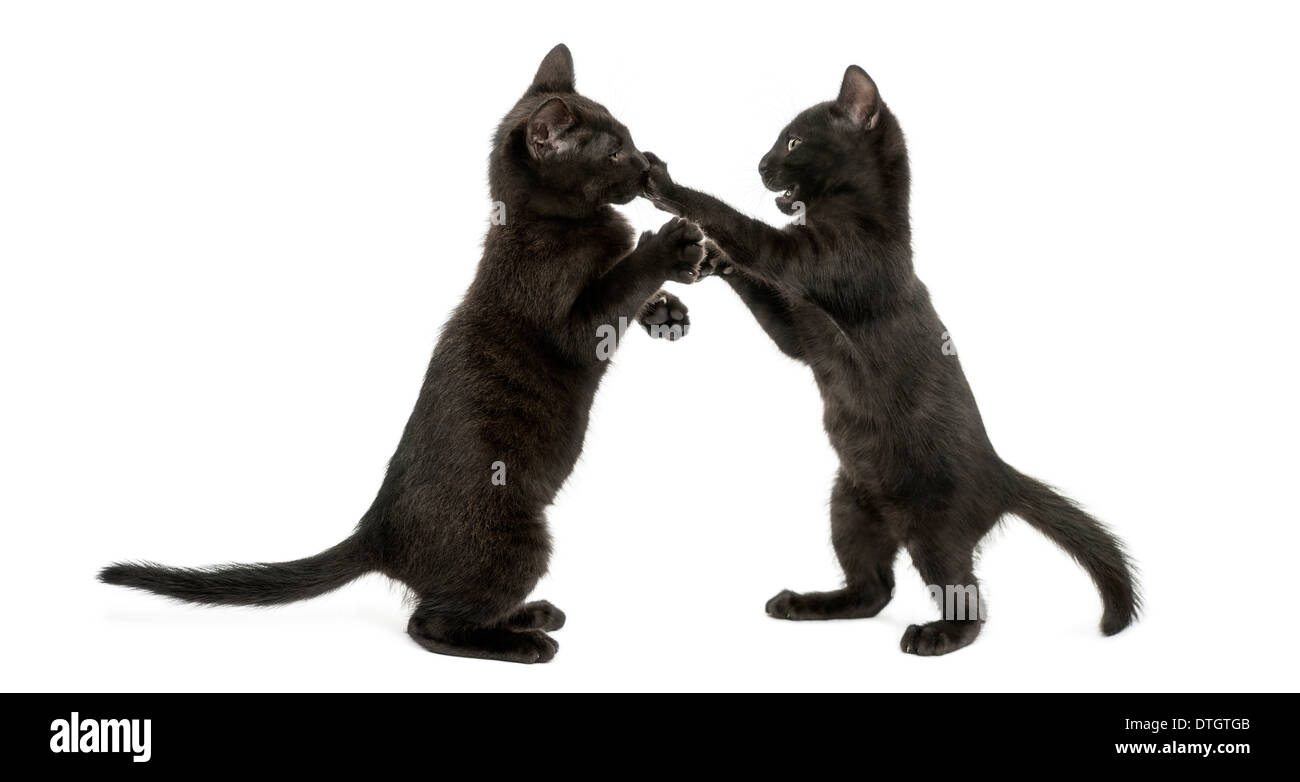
(850, 146)
(563, 153)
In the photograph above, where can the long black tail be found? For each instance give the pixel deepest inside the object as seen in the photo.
(1089, 542)
(262, 584)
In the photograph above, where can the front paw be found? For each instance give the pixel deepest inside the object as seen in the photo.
(665, 316)
(678, 245)
(715, 261)
(659, 187)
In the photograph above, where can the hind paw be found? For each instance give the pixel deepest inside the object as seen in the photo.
(936, 638)
(840, 604)
(537, 615)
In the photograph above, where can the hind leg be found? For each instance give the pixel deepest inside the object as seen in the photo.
(865, 548)
(443, 632)
(484, 643)
(948, 574)
(474, 607)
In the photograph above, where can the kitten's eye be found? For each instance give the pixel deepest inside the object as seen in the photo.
(791, 144)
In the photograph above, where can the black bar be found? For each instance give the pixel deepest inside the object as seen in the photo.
(924, 733)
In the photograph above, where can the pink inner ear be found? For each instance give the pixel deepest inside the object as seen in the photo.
(859, 99)
(539, 132)
(862, 108)
(548, 122)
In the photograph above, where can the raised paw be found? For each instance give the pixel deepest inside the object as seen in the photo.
(716, 262)
(665, 316)
(936, 638)
(681, 243)
(537, 615)
(840, 604)
(659, 186)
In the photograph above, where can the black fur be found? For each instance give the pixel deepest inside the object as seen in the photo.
(511, 381)
(917, 470)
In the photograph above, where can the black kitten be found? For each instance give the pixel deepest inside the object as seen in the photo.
(837, 291)
(503, 411)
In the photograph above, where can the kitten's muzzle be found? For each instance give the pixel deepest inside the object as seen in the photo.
(767, 172)
(771, 176)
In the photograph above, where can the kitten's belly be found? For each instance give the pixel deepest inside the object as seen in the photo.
(543, 443)
(881, 437)
(858, 441)
(499, 402)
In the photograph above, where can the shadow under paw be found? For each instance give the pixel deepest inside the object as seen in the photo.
(491, 643)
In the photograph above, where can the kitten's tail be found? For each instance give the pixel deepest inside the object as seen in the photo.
(1090, 543)
(262, 584)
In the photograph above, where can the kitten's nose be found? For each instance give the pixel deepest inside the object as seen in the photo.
(765, 164)
(642, 164)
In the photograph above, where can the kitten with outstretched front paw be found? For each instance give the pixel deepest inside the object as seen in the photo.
(836, 291)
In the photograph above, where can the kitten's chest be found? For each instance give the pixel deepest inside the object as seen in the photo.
(608, 244)
(589, 250)
(837, 352)
(854, 370)
(550, 264)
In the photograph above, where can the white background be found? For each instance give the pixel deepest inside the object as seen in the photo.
(230, 232)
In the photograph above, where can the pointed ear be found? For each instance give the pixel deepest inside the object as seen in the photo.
(859, 100)
(555, 74)
(547, 127)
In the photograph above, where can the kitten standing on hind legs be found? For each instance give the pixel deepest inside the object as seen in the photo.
(507, 393)
(838, 293)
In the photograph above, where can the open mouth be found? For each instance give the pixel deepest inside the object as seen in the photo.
(786, 201)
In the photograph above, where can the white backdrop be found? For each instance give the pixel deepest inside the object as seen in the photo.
(230, 232)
